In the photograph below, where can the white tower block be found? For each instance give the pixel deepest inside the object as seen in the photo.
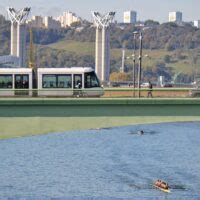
(102, 59)
(18, 33)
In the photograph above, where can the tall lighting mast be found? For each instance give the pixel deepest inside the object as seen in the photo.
(102, 58)
(18, 33)
(140, 65)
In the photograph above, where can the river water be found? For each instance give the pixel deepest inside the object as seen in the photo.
(103, 164)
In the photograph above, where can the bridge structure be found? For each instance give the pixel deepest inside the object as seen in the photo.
(32, 116)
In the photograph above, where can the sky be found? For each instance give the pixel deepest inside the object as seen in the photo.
(147, 9)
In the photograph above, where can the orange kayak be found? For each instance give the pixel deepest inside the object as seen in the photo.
(162, 189)
(161, 185)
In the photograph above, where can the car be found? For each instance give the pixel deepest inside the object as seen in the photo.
(145, 85)
(115, 84)
(165, 85)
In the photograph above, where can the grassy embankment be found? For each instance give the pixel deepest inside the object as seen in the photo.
(25, 117)
(26, 126)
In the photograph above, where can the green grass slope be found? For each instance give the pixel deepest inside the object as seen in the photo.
(185, 65)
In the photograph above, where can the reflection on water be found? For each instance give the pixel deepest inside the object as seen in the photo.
(116, 164)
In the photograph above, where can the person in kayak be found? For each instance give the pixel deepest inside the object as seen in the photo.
(161, 184)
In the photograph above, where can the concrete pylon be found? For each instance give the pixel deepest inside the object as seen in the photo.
(18, 33)
(13, 43)
(102, 58)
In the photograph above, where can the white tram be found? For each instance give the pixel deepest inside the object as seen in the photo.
(76, 81)
(68, 82)
(15, 81)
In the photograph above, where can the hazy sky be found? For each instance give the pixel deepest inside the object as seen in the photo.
(146, 9)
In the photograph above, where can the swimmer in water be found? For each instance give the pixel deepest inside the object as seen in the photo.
(141, 132)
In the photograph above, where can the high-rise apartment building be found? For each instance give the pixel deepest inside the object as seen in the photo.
(197, 23)
(68, 18)
(130, 17)
(51, 23)
(176, 17)
(36, 21)
(2, 19)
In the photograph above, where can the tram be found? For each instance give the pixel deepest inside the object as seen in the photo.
(66, 82)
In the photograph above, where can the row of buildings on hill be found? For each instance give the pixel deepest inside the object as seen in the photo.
(68, 18)
(130, 17)
(65, 20)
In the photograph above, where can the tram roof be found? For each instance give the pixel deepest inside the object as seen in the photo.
(65, 70)
(15, 70)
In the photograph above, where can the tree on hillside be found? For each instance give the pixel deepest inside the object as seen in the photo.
(119, 76)
(46, 36)
(76, 24)
(151, 22)
(167, 58)
(152, 73)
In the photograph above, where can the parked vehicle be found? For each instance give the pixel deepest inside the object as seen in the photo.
(145, 85)
(169, 85)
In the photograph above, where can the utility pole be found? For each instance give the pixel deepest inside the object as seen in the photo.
(31, 51)
(134, 60)
(32, 57)
(123, 60)
(140, 65)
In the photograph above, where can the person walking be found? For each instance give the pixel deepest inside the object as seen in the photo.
(150, 86)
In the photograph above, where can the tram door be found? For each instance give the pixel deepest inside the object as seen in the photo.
(77, 81)
(77, 85)
(21, 82)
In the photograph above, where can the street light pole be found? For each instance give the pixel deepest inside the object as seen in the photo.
(140, 65)
(134, 61)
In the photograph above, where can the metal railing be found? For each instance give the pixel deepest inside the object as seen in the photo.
(104, 93)
(154, 93)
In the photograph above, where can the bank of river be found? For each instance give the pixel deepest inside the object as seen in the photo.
(13, 127)
(31, 116)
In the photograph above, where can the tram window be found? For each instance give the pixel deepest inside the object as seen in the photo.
(21, 81)
(91, 80)
(49, 81)
(6, 81)
(57, 81)
(64, 81)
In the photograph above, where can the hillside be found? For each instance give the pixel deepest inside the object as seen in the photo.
(178, 61)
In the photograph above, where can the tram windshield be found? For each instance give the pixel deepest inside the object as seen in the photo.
(91, 80)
